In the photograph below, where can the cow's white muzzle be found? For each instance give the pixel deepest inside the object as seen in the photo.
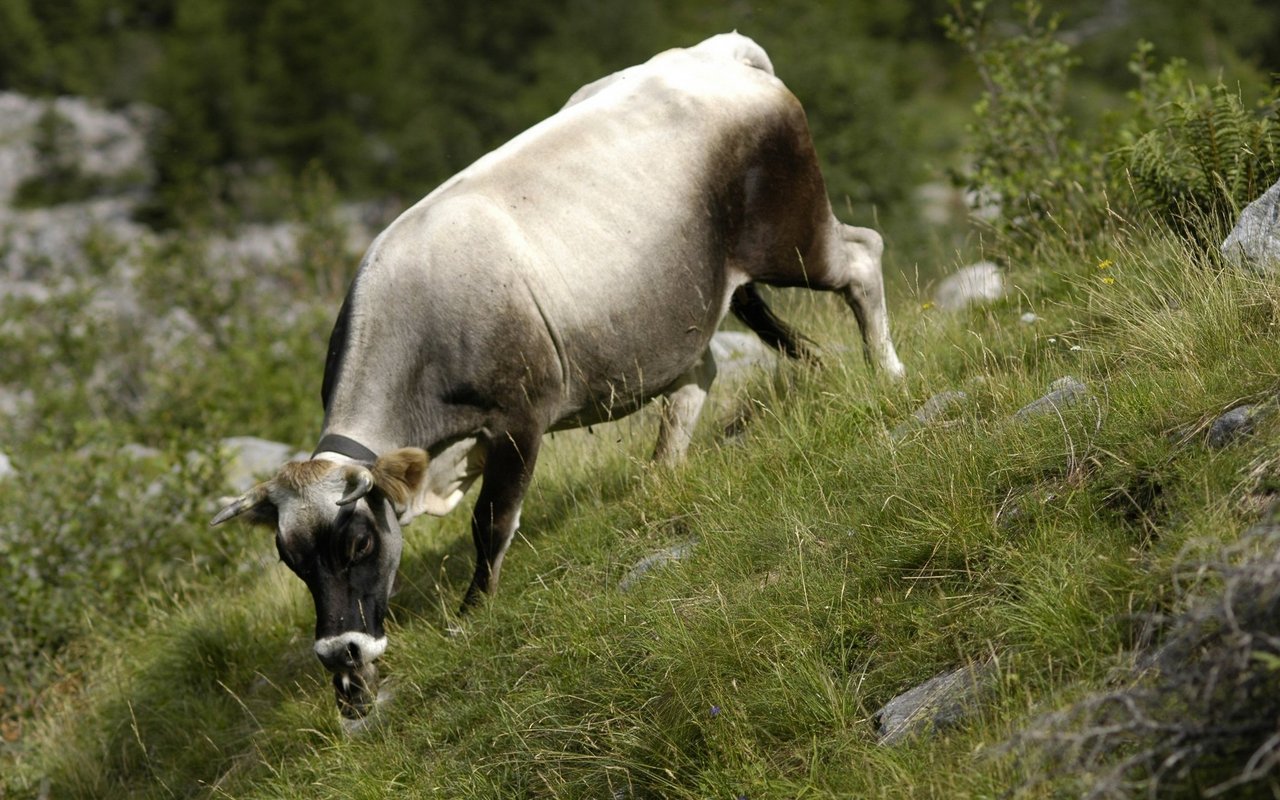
(348, 651)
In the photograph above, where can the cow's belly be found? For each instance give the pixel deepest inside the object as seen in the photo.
(615, 365)
(629, 322)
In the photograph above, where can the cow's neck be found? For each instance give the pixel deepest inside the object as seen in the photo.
(336, 443)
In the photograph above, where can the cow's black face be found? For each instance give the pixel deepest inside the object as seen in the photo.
(349, 566)
(337, 529)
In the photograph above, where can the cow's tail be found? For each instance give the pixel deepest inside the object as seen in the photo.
(748, 306)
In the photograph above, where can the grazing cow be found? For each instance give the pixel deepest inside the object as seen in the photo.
(566, 278)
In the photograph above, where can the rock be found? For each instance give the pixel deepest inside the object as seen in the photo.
(139, 452)
(6, 468)
(255, 246)
(15, 402)
(249, 459)
(166, 336)
(1233, 424)
(25, 290)
(736, 352)
(1063, 392)
(658, 559)
(941, 203)
(47, 243)
(938, 703)
(1255, 240)
(975, 284)
(1028, 318)
(933, 409)
(102, 142)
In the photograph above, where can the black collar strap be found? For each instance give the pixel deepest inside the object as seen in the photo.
(345, 446)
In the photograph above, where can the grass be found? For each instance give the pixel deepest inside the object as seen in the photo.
(833, 567)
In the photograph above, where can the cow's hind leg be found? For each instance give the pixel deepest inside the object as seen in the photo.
(860, 281)
(508, 469)
(681, 408)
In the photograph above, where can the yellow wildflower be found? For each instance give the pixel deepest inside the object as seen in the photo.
(1108, 280)
(1105, 263)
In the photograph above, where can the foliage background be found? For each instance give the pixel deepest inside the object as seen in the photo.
(389, 97)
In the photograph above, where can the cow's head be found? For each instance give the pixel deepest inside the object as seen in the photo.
(337, 528)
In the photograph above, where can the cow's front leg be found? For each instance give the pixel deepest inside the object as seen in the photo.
(508, 469)
(681, 407)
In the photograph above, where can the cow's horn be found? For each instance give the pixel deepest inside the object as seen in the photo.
(364, 482)
(241, 504)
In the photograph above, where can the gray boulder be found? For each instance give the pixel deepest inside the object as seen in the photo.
(939, 703)
(15, 402)
(1254, 243)
(972, 285)
(1064, 392)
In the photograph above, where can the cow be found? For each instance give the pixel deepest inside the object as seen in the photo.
(567, 278)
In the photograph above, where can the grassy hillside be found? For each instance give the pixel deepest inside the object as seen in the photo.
(829, 566)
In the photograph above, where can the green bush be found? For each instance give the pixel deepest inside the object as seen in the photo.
(1028, 163)
(1194, 155)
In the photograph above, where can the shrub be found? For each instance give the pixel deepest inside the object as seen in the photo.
(1026, 161)
(1194, 153)
(1202, 717)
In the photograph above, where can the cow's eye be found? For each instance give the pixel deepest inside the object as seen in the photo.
(361, 545)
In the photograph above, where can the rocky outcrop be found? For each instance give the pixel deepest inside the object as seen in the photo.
(99, 142)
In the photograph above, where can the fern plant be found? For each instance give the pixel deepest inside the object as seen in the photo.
(1197, 155)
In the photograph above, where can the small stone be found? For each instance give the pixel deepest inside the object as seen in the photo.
(972, 285)
(139, 452)
(6, 468)
(736, 352)
(933, 409)
(1063, 392)
(1028, 318)
(1231, 425)
(658, 559)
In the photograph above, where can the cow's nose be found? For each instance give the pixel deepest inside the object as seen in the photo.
(348, 651)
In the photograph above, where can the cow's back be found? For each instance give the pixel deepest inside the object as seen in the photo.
(621, 225)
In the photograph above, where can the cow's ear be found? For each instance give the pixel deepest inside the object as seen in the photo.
(400, 473)
(254, 505)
